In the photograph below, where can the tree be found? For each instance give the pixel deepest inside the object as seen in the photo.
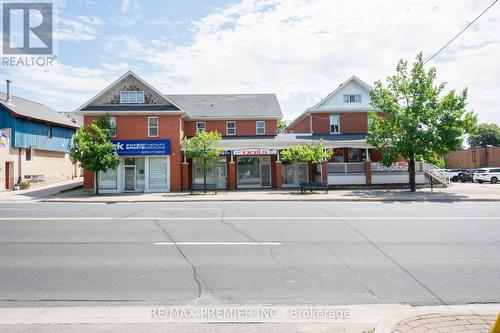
(92, 148)
(281, 126)
(313, 153)
(419, 120)
(204, 146)
(485, 134)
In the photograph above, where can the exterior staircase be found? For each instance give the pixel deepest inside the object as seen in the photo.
(436, 173)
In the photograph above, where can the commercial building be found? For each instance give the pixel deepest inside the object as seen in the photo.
(149, 127)
(34, 142)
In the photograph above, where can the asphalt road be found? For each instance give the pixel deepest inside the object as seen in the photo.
(250, 253)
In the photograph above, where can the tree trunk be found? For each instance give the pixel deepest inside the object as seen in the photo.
(96, 182)
(411, 170)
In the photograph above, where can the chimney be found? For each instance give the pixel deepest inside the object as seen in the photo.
(8, 90)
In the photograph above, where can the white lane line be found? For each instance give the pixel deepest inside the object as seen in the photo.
(250, 218)
(217, 243)
(23, 209)
(190, 208)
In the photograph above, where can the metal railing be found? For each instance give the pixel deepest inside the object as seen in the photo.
(436, 173)
(352, 167)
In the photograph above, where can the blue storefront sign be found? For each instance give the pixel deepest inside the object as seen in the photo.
(142, 147)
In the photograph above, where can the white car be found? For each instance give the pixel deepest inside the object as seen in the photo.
(491, 175)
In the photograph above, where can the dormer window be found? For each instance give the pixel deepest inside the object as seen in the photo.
(352, 98)
(132, 97)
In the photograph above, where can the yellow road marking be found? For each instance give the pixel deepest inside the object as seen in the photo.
(244, 218)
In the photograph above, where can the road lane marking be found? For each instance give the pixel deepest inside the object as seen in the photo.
(247, 218)
(218, 243)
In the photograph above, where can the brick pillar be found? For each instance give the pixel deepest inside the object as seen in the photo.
(231, 175)
(278, 170)
(368, 172)
(185, 176)
(324, 172)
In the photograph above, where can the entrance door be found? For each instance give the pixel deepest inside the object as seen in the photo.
(129, 178)
(265, 175)
(7, 175)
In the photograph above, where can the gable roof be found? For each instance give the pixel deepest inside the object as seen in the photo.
(129, 73)
(229, 106)
(316, 107)
(342, 85)
(33, 110)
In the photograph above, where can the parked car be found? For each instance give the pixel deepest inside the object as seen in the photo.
(467, 175)
(453, 174)
(491, 175)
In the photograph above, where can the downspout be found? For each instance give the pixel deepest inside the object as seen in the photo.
(19, 169)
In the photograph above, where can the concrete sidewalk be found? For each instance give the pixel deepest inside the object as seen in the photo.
(457, 192)
(40, 191)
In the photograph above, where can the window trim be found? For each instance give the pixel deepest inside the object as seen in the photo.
(338, 117)
(257, 127)
(112, 121)
(30, 149)
(204, 126)
(349, 98)
(129, 92)
(150, 127)
(227, 127)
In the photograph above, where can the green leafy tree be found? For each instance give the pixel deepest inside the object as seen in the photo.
(204, 146)
(93, 150)
(420, 121)
(485, 134)
(281, 126)
(313, 153)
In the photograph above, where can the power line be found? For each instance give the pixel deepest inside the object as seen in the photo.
(461, 31)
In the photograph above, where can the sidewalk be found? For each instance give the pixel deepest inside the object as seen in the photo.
(40, 191)
(477, 318)
(457, 192)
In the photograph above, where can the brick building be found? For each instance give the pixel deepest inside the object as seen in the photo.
(474, 158)
(149, 127)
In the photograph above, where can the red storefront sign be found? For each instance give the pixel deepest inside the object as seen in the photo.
(251, 152)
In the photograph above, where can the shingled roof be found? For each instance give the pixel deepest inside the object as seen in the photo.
(28, 109)
(228, 106)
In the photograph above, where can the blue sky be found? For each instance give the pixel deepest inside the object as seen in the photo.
(299, 49)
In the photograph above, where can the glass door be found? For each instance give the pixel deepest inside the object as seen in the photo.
(130, 178)
(265, 175)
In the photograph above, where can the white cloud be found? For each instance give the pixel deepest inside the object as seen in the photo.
(81, 28)
(131, 13)
(303, 49)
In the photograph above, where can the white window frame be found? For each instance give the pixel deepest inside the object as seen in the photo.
(257, 127)
(356, 98)
(129, 100)
(335, 116)
(198, 129)
(157, 127)
(112, 123)
(227, 127)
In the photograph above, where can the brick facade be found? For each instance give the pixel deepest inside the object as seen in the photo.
(473, 158)
(243, 127)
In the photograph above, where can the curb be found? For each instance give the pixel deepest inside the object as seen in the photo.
(273, 200)
(386, 325)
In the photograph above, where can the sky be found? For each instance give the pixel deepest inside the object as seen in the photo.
(299, 49)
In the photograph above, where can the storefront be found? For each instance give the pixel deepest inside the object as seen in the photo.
(253, 167)
(216, 172)
(144, 167)
(292, 175)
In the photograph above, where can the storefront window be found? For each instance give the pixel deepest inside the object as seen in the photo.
(158, 173)
(287, 174)
(139, 173)
(356, 155)
(294, 174)
(108, 180)
(338, 155)
(216, 172)
(249, 171)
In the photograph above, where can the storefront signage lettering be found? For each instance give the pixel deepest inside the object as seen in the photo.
(142, 147)
(4, 139)
(250, 152)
